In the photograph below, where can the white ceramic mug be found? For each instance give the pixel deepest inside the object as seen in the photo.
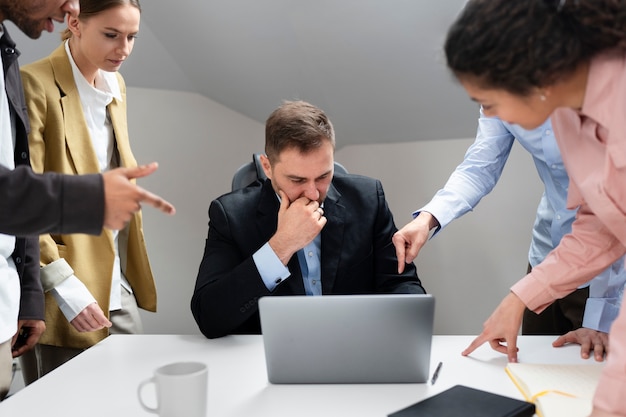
(181, 390)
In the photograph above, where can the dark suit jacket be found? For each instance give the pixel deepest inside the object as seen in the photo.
(31, 204)
(357, 256)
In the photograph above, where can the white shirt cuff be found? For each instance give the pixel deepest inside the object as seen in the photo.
(72, 296)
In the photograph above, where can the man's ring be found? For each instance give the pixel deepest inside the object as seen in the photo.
(320, 211)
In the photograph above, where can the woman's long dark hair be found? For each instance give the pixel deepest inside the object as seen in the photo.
(519, 45)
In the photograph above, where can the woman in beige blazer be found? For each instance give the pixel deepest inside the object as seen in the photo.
(77, 106)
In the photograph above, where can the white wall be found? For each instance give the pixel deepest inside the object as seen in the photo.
(199, 144)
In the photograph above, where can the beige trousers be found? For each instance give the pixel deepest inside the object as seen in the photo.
(6, 368)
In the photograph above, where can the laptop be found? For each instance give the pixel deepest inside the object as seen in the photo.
(347, 339)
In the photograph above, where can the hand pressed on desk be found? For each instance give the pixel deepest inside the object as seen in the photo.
(588, 340)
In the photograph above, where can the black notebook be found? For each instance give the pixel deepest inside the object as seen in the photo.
(462, 401)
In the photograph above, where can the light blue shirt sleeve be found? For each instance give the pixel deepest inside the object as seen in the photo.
(605, 297)
(271, 269)
(476, 176)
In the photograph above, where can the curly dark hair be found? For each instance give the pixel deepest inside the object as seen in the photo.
(522, 45)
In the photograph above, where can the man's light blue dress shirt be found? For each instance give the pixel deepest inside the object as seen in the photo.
(479, 172)
(273, 272)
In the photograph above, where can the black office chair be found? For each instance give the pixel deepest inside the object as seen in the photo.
(252, 173)
(249, 173)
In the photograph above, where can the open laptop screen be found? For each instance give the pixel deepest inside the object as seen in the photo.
(382, 338)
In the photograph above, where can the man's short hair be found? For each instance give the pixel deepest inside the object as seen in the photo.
(296, 124)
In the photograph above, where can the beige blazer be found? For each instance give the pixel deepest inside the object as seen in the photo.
(59, 141)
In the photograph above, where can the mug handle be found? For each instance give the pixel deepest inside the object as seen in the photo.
(139, 391)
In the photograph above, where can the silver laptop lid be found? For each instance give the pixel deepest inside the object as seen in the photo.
(383, 338)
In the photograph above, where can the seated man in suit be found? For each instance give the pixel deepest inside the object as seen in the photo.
(303, 231)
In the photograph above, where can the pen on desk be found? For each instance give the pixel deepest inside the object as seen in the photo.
(436, 374)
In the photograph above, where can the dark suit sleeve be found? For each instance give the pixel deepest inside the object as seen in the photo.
(33, 204)
(386, 262)
(228, 285)
(32, 295)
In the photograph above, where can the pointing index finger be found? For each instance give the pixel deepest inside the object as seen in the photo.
(157, 202)
(478, 341)
(400, 245)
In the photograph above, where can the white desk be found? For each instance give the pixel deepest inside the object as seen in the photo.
(103, 380)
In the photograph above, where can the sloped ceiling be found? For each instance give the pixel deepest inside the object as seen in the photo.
(375, 66)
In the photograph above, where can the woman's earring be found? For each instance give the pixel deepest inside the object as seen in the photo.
(542, 97)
